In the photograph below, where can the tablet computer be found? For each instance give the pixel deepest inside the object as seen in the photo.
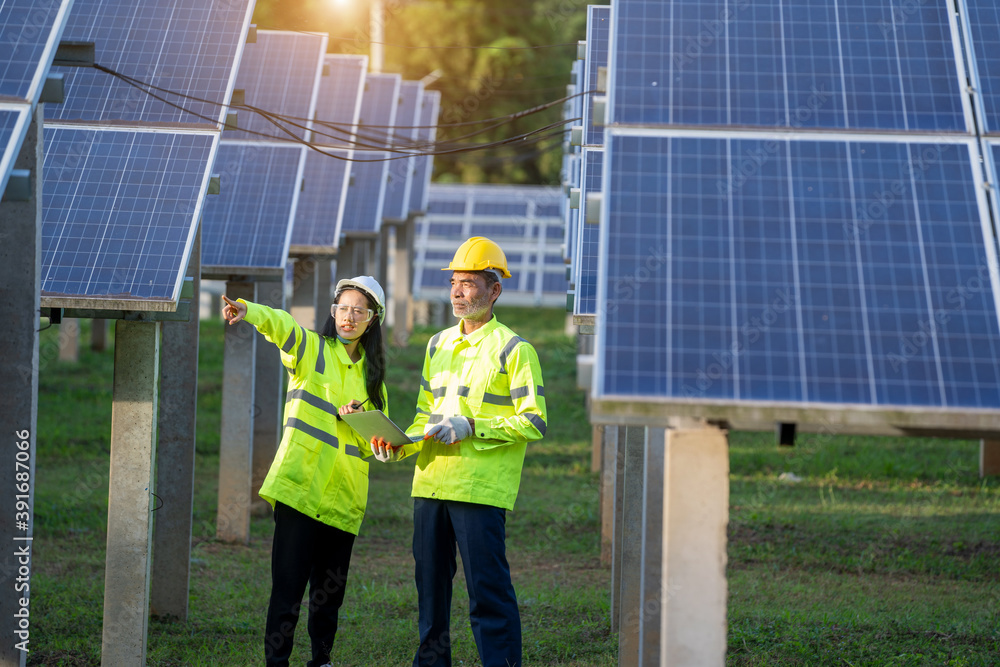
(371, 423)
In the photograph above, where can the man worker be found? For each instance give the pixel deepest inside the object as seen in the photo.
(481, 401)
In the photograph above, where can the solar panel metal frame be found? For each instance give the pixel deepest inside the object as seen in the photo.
(583, 258)
(987, 84)
(424, 164)
(310, 246)
(822, 417)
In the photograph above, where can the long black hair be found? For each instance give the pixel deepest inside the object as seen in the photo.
(374, 346)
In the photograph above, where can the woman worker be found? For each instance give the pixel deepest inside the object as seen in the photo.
(318, 482)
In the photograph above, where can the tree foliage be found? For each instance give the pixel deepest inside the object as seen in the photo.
(475, 83)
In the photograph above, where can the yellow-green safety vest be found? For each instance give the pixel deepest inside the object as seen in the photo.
(319, 468)
(493, 376)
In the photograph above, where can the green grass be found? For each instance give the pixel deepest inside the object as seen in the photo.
(886, 553)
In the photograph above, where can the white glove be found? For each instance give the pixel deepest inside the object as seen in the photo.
(449, 431)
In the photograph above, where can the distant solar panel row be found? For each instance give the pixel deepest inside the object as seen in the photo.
(598, 36)
(424, 164)
(400, 176)
(585, 254)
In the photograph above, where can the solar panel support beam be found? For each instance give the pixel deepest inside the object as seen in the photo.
(989, 458)
(634, 442)
(53, 90)
(20, 259)
(72, 53)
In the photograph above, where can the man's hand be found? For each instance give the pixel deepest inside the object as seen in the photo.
(233, 311)
(449, 431)
(385, 452)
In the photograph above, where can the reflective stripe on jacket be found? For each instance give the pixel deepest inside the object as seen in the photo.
(318, 468)
(493, 376)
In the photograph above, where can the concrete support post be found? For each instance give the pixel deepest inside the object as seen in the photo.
(695, 516)
(20, 257)
(596, 448)
(380, 255)
(348, 262)
(130, 519)
(176, 428)
(305, 292)
(69, 340)
(653, 593)
(324, 290)
(617, 437)
(402, 277)
(98, 335)
(236, 443)
(269, 398)
(609, 467)
(989, 458)
(631, 554)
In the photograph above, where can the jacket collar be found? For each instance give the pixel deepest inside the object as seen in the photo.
(480, 333)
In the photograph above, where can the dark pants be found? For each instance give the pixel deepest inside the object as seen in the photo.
(305, 551)
(478, 530)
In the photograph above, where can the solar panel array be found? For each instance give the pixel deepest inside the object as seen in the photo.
(423, 165)
(524, 220)
(370, 169)
(247, 227)
(585, 254)
(29, 34)
(124, 188)
(824, 239)
(320, 209)
(598, 33)
(400, 177)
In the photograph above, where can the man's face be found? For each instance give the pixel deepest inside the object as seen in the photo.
(470, 299)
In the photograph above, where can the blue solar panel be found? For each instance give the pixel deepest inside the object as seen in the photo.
(397, 189)
(281, 74)
(982, 24)
(321, 203)
(29, 34)
(424, 164)
(249, 223)
(366, 192)
(187, 46)
(339, 99)
(598, 37)
(843, 271)
(13, 124)
(849, 65)
(119, 212)
(585, 257)
(526, 230)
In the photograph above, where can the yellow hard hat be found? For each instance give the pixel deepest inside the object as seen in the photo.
(479, 254)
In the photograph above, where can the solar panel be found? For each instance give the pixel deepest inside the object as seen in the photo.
(29, 34)
(397, 189)
(320, 207)
(844, 271)
(186, 46)
(247, 227)
(119, 214)
(366, 192)
(523, 220)
(982, 30)
(598, 34)
(847, 65)
(585, 256)
(281, 74)
(423, 165)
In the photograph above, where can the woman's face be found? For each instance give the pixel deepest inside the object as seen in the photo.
(351, 313)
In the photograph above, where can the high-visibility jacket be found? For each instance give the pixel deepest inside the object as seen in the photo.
(319, 468)
(493, 376)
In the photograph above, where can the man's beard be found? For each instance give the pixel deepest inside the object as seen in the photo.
(475, 309)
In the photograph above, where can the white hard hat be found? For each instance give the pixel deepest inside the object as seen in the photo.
(369, 286)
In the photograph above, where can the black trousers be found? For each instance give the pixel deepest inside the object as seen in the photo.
(479, 533)
(305, 551)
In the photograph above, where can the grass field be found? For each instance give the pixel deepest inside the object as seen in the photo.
(886, 553)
